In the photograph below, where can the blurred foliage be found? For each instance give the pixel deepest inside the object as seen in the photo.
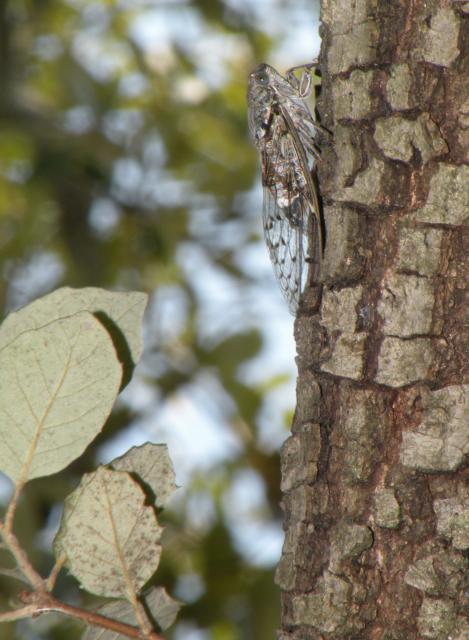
(125, 163)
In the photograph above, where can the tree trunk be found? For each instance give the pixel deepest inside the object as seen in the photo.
(374, 476)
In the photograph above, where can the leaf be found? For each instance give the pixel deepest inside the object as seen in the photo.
(57, 387)
(153, 466)
(120, 313)
(162, 607)
(109, 536)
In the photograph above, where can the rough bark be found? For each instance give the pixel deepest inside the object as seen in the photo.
(375, 473)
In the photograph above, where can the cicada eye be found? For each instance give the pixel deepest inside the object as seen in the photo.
(262, 77)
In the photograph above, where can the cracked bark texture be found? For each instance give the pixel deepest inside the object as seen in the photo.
(374, 475)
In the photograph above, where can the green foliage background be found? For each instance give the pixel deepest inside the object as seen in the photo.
(126, 166)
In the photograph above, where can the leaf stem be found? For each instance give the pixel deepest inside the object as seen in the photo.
(52, 579)
(11, 510)
(21, 558)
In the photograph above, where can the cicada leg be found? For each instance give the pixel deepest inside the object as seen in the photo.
(304, 84)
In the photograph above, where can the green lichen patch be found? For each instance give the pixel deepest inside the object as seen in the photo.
(453, 520)
(351, 96)
(347, 357)
(439, 40)
(363, 429)
(339, 309)
(401, 362)
(441, 441)
(285, 574)
(348, 152)
(399, 137)
(368, 187)
(342, 261)
(419, 250)
(406, 306)
(436, 618)
(398, 87)
(386, 509)
(448, 197)
(354, 34)
(438, 574)
(300, 453)
(348, 541)
(327, 609)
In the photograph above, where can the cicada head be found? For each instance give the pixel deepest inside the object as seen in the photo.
(260, 97)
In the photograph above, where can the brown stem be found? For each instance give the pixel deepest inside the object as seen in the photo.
(11, 510)
(46, 603)
(17, 614)
(51, 580)
(21, 558)
(41, 601)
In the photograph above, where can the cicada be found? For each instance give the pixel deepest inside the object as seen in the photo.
(285, 134)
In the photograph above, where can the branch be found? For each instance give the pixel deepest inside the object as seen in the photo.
(24, 612)
(44, 602)
(40, 601)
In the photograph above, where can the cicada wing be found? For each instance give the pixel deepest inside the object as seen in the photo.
(291, 220)
(286, 236)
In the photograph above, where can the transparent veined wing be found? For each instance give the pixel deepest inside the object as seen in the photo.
(286, 238)
(289, 219)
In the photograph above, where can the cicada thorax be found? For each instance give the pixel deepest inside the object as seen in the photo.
(283, 174)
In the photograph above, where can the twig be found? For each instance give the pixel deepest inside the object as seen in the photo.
(44, 602)
(41, 600)
(17, 614)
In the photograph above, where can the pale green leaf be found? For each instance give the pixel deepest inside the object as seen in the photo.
(109, 535)
(163, 609)
(152, 465)
(120, 312)
(57, 387)
(70, 504)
